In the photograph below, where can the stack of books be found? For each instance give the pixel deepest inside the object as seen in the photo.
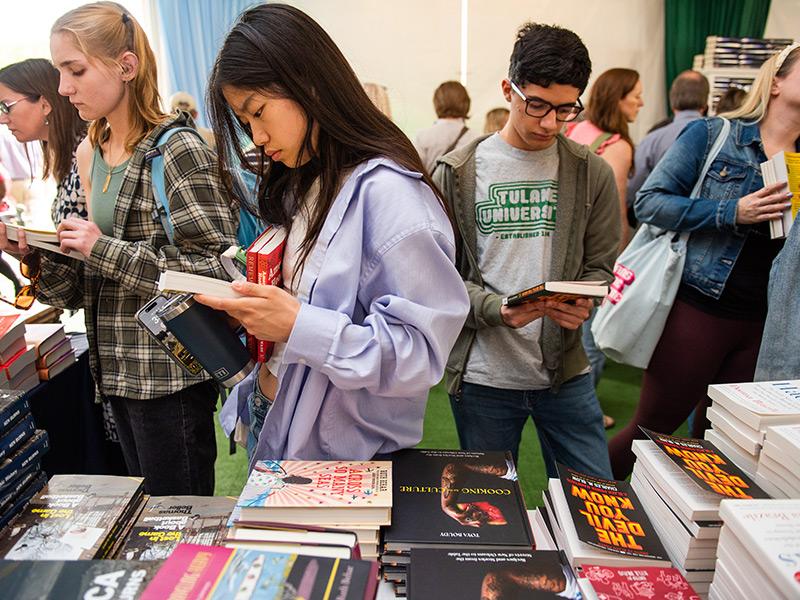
(454, 500)
(747, 53)
(741, 412)
(758, 551)
(601, 522)
(195, 572)
(324, 508)
(778, 470)
(167, 521)
(75, 517)
(17, 361)
(21, 449)
(51, 347)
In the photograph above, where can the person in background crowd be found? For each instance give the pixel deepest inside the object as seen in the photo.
(185, 101)
(714, 330)
(164, 417)
(688, 99)
(379, 96)
(22, 161)
(732, 99)
(614, 102)
(512, 364)
(5, 269)
(451, 102)
(495, 120)
(32, 108)
(372, 301)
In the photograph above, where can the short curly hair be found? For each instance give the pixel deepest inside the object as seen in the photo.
(547, 54)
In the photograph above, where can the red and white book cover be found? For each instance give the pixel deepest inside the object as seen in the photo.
(270, 272)
(17, 363)
(251, 270)
(638, 583)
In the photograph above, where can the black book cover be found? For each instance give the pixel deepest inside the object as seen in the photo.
(29, 453)
(454, 497)
(522, 575)
(10, 492)
(21, 499)
(72, 518)
(16, 435)
(13, 406)
(707, 467)
(167, 521)
(80, 579)
(608, 515)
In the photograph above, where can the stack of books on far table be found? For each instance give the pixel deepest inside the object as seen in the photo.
(51, 347)
(734, 52)
(321, 508)
(21, 449)
(758, 551)
(453, 500)
(741, 412)
(778, 469)
(75, 517)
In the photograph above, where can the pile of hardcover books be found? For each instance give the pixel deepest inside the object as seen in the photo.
(778, 470)
(167, 521)
(748, 53)
(75, 517)
(21, 449)
(741, 412)
(459, 501)
(322, 508)
(758, 550)
(601, 522)
(51, 349)
(17, 361)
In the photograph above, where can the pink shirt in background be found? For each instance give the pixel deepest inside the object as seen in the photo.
(586, 132)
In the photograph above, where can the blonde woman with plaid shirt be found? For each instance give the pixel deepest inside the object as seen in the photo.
(164, 417)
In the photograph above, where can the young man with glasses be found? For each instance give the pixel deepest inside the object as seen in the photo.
(531, 206)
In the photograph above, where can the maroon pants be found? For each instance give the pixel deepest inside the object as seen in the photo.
(695, 350)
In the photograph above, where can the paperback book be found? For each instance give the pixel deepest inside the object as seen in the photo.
(196, 572)
(167, 521)
(707, 466)
(760, 404)
(13, 406)
(16, 436)
(29, 453)
(558, 291)
(45, 240)
(784, 167)
(637, 582)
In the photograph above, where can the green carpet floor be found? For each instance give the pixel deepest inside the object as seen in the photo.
(618, 392)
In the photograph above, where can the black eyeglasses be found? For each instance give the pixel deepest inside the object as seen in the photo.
(536, 107)
(5, 107)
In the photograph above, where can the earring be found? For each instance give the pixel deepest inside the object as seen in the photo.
(46, 121)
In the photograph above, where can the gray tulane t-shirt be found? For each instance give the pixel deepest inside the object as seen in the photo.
(516, 194)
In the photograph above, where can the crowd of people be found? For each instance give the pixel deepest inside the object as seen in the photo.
(398, 254)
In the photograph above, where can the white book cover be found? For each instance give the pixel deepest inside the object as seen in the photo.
(786, 479)
(760, 403)
(722, 420)
(189, 283)
(784, 167)
(732, 552)
(541, 536)
(695, 502)
(786, 438)
(770, 531)
(732, 450)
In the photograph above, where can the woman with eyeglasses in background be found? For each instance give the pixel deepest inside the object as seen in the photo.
(164, 417)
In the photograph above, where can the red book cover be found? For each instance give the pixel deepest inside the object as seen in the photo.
(270, 258)
(252, 277)
(17, 363)
(645, 583)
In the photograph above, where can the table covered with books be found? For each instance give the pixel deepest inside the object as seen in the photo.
(431, 524)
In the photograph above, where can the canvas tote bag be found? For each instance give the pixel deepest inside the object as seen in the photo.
(647, 274)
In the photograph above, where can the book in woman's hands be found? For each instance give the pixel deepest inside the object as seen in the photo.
(46, 240)
(189, 283)
(558, 291)
(784, 167)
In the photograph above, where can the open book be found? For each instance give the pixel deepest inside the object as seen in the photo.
(189, 283)
(784, 166)
(46, 240)
(560, 291)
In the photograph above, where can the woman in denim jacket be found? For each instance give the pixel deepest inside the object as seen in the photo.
(714, 330)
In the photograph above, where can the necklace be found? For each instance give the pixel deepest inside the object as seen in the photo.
(111, 170)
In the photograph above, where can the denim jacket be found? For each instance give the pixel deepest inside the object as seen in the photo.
(663, 201)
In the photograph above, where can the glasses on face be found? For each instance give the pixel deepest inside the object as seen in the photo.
(30, 267)
(536, 107)
(5, 107)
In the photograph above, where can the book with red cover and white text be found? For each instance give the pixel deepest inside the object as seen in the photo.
(270, 272)
(637, 582)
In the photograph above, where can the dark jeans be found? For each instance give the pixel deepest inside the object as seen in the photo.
(569, 423)
(695, 350)
(170, 440)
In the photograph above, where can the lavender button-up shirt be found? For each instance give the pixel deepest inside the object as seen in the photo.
(384, 308)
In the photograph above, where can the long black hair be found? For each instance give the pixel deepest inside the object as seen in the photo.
(279, 49)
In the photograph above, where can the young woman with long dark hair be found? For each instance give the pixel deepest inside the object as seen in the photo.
(372, 301)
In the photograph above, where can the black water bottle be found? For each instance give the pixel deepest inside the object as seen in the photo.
(205, 333)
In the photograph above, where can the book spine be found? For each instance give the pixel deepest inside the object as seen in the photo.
(16, 436)
(17, 462)
(521, 506)
(526, 296)
(252, 277)
(13, 412)
(270, 268)
(264, 348)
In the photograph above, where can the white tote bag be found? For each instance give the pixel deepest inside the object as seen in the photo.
(647, 274)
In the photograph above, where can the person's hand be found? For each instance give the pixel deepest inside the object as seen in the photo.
(766, 204)
(16, 249)
(569, 316)
(79, 235)
(267, 312)
(521, 315)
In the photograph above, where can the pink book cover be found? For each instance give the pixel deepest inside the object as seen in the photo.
(638, 583)
(190, 573)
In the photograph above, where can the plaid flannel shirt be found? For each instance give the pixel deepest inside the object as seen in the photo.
(121, 273)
